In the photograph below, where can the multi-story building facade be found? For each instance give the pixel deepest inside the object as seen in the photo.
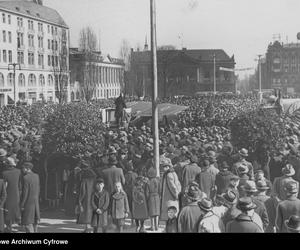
(181, 72)
(102, 75)
(37, 39)
(281, 69)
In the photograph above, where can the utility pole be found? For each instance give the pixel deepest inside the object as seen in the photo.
(215, 81)
(12, 66)
(259, 68)
(155, 90)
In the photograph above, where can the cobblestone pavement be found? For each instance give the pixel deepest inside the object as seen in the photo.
(58, 222)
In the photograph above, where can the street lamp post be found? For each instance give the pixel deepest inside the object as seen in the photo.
(13, 66)
(154, 82)
(215, 81)
(259, 68)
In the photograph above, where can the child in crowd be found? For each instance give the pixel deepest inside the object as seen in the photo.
(172, 224)
(100, 204)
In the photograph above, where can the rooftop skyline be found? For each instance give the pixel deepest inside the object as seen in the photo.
(240, 27)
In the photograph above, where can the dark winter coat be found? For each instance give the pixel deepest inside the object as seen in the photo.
(172, 225)
(189, 174)
(271, 206)
(262, 212)
(188, 218)
(206, 182)
(223, 181)
(139, 203)
(152, 190)
(87, 184)
(130, 177)
(12, 176)
(100, 200)
(243, 224)
(111, 176)
(30, 199)
(3, 196)
(119, 205)
(285, 209)
(230, 215)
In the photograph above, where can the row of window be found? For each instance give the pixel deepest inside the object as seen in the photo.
(6, 56)
(51, 29)
(106, 74)
(6, 36)
(22, 82)
(4, 18)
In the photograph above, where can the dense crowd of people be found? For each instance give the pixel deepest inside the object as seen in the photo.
(204, 185)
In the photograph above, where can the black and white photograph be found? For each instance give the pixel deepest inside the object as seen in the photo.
(149, 117)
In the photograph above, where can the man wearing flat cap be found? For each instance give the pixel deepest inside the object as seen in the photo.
(29, 204)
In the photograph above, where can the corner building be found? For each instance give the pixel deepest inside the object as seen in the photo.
(37, 39)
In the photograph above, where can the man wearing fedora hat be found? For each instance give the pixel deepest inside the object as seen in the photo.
(242, 154)
(244, 223)
(12, 178)
(288, 207)
(293, 224)
(209, 222)
(250, 190)
(189, 216)
(280, 182)
(262, 188)
(112, 175)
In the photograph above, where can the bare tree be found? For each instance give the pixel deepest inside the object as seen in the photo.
(88, 45)
(59, 63)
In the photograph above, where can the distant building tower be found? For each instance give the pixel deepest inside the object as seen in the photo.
(146, 47)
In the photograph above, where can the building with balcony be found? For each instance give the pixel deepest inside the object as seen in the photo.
(281, 67)
(180, 72)
(37, 39)
(102, 75)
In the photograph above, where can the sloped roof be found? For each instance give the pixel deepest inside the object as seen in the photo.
(34, 10)
(191, 55)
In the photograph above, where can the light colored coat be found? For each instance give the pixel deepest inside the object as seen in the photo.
(211, 223)
(171, 188)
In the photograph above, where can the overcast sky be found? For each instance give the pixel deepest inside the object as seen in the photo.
(240, 27)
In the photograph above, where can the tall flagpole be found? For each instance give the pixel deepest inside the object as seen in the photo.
(155, 90)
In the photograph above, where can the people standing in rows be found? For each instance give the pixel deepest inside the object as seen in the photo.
(29, 203)
(119, 207)
(170, 190)
(290, 206)
(152, 191)
(100, 205)
(12, 178)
